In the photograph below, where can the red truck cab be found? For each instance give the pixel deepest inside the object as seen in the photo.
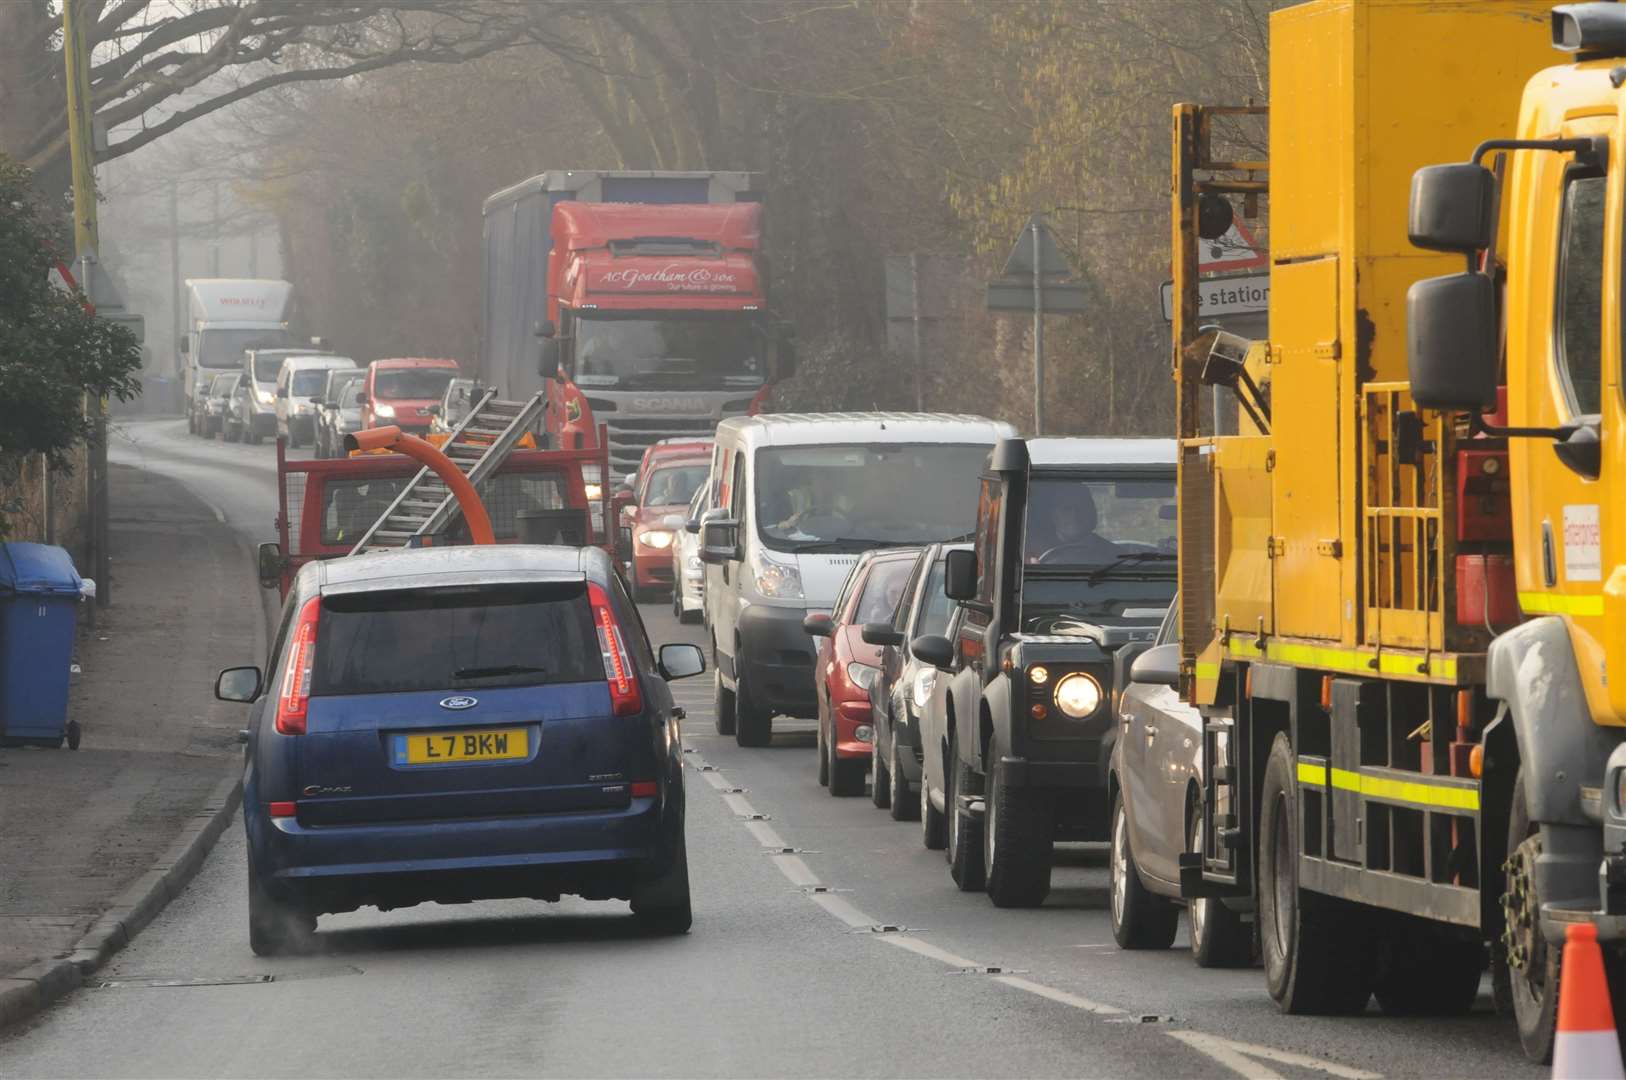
(400, 390)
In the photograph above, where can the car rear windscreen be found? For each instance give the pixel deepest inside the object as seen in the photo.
(455, 639)
(309, 381)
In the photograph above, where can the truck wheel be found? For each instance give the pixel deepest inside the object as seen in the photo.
(1529, 977)
(275, 927)
(846, 774)
(1315, 948)
(1427, 971)
(933, 825)
(723, 706)
(899, 803)
(1219, 937)
(880, 780)
(1018, 840)
(964, 844)
(753, 723)
(1140, 920)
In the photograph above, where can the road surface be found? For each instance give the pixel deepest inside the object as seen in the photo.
(826, 942)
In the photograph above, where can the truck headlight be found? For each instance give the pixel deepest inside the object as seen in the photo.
(777, 580)
(1077, 695)
(863, 676)
(655, 538)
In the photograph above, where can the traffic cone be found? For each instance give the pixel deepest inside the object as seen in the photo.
(1587, 1047)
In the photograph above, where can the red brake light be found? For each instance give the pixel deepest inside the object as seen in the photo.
(624, 692)
(294, 698)
(283, 809)
(644, 789)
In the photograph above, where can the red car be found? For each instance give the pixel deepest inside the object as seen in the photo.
(846, 667)
(400, 390)
(663, 492)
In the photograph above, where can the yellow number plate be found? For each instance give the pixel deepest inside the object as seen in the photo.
(443, 747)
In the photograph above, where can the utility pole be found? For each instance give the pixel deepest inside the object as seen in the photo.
(176, 324)
(1038, 335)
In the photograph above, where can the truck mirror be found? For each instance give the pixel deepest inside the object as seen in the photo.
(270, 565)
(1582, 450)
(1452, 207)
(1451, 342)
(960, 575)
(548, 365)
(544, 329)
(184, 345)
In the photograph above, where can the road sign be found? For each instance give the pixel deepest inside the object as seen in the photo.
(1235, 250)
(1049, 258)
(1060, 298)
(1241, 294)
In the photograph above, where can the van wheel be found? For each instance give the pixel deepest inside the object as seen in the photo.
(1140, 920)
(964, 840)
(1315, 948)
(753, 724)
(275, 927)
(1219, 937)
(723, 707)
(1018, 840)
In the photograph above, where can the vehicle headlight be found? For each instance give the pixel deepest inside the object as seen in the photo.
(384, 410)
(1078, 695)
(594, 492)
(925, 682)
(863, 676)
(777, 580)
(655, 538)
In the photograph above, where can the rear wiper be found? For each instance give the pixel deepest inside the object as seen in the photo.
(1123, 561)
(496, 671)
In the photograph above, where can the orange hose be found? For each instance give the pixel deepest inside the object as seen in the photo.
(393, 438)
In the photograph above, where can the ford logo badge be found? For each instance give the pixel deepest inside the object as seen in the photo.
(459, 702)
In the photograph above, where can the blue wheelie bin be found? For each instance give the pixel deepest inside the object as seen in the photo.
(39, 599)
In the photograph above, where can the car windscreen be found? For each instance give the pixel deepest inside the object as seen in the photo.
(333, 388)
(1076, 521)
(455, 638)
(266, 368)
(882, 591)
(411, 384)
(706, 352)
(853, 497)
(224, 348)
(350, 396)
(675, 485)
(309, 382)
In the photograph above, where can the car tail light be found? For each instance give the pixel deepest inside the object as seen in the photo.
(294, 700)
(644, 789)
(624, 692)
(283, 809)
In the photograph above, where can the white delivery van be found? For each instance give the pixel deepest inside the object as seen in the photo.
(227, 316)
(298, 382)
(793, 500)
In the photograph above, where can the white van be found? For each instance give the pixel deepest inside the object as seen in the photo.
(793, 500)
(300, 380)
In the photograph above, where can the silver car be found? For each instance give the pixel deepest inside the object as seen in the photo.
(689, 573)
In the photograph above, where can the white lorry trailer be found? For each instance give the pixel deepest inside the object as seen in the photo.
(226, 316)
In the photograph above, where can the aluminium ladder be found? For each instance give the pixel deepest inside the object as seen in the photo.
(479, 446)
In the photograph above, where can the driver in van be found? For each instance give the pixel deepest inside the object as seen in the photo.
(823, 512)
(1068, 535)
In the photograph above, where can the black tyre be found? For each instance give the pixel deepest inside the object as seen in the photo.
(880, 781)
(677, 603)
(691, 617)
(1427, 971)
(933, 823)
(1219, 937)
(901, 803)
(753, 723)
(1140, 918)
(275, 926)
(1018, 840)
(964, 849)
(1531, 985)
(74, 734)
(824, 758)
(723, 706)
(846, 774)
(664, 908)
(1316, 949)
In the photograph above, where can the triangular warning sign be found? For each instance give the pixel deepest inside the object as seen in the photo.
(1048, 258)
(1235, 250)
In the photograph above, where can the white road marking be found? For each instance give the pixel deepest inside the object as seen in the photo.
(1059, 996)
(799, 873)
(928, 950)
(843, 910)
(715, 779)
(765, 834)
(1247, 1059)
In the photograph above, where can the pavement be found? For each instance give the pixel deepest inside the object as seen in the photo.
(83, 830)
(827, 942)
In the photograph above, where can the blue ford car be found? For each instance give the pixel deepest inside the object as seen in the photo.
(461, 724)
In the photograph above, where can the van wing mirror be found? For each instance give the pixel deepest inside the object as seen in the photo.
(1451, 342)
(1452, 208)
(960, 575)
(720, 541)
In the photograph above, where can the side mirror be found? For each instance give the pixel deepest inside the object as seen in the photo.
(818, 624)
(693, 524)
(681, 661)
(933, 649)
(270, 565)
(433, 410)
(623, 541)
(720, 542)
(317, 401)
(1582, 451)
(361, 399)
(1157, 666)
(880, 633)
(241, 684)
(184, 345)
(1451, 348)
(551, 358)
(544, 329)
(282, 391)
(1452, 208)
(960, 575)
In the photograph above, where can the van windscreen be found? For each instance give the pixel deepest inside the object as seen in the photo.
(455, 638)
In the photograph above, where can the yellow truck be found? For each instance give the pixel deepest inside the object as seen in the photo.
(1403, 577)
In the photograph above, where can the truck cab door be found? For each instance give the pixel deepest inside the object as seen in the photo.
(1564, 369)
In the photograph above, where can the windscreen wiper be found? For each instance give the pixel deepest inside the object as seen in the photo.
(496, 671)
(1127, 560)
